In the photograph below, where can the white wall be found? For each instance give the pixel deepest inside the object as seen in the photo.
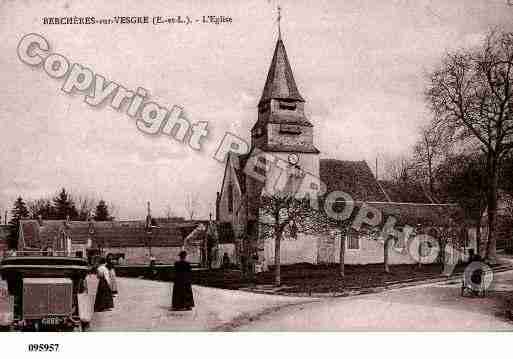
(317, 249)
(300, 250)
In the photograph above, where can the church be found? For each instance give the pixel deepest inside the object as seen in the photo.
(283, 134)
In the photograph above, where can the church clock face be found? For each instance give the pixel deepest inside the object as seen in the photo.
(293, 159)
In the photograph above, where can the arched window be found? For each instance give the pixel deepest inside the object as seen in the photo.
(230, 198)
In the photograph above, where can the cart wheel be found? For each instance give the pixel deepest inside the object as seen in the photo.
(85, 326)
(78, 327)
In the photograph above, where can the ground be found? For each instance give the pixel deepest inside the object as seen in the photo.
(144, 305)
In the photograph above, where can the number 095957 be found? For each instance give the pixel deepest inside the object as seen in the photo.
(43, 347)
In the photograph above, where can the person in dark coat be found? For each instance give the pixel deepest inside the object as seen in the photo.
(103, 300)
(182, 289)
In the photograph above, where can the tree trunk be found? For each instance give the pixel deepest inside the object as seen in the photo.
(342, 253)
(277, 260)
(431, 179)
(478, 237)
(385, 254)
(491, 254)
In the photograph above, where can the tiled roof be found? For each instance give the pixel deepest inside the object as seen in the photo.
(280, 83)
(106, 234)
(352, 177)
(405, 192)
(425, 214)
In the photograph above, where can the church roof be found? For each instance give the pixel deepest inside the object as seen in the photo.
(280, 82)
(406, 192)
(425, 214)
(352, 177)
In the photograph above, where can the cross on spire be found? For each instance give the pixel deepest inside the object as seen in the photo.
(279, 21)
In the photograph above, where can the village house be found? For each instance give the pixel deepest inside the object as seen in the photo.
(283, 133)
(129, 240)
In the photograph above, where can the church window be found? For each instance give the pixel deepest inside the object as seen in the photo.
(290, 106)
(290, 129)
(230, 198)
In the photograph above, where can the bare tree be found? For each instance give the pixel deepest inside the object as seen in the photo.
(462, 179)
(471, 94)
(113, 210)
(400, 169)
(191, 204)
(279, 212)
(85, 205)
(40, 207)
(429, 152)
(169, 212)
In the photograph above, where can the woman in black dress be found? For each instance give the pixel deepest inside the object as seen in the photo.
(103, 299)
(182, 289)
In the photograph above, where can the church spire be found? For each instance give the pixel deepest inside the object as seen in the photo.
(280, 83)
(279, 22)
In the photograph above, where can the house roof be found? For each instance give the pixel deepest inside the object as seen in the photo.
(352, 177)
(405, 192)
(106, 234)
(425, 214)
(280, 83)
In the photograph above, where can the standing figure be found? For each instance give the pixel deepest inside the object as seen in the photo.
(182, 289)
(112, 275)
(226, 261)
(103, 299)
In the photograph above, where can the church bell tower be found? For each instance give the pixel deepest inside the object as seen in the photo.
(282, 128)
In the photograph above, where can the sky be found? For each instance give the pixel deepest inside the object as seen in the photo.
(361, 66)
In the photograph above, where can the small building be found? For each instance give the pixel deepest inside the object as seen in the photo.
(126, 239)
